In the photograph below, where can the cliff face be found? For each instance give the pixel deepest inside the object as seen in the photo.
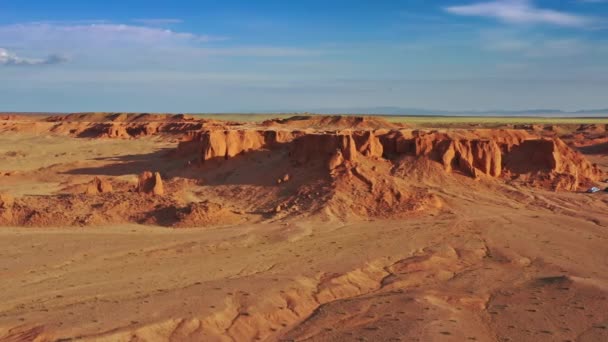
(123, 126)
(472, 157)
(508, 154)
(497, 154)
(323, 146)
(368, 144)
(124, 130)
(225, 144)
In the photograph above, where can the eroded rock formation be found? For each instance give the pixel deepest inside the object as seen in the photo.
(323, 146)
(6, 201)
(225, 144)
(150, 183)
(495, 153)
(98, 186)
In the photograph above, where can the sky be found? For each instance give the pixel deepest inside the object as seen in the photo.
(268, 55)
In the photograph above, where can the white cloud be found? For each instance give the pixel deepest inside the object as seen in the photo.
(105, 43)
(55, 35)
(520, 12)
(8, 58)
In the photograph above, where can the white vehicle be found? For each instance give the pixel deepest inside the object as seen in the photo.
(593, 190)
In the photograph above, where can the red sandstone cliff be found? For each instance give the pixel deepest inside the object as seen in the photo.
(504, 153)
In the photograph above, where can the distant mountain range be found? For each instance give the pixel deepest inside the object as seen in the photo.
(387, 110)
(423, 112)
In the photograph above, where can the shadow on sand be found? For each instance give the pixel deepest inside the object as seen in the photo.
(256, 168)
(595, 149)
(132, 164)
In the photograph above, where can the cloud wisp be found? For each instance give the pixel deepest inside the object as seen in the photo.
(9, 58)
(98, 34)
(105, 43)
(520, 12)
(157, 21)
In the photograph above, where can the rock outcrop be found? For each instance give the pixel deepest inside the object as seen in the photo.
(226, 144)
(6, 205)
(506, 154)
(368, 144)
(509, 154)
(123, 126)
(333, 122)
(98, 186)
(335, 160)
(323, 146)
(6, 201)
(473, 157)
(150, 183)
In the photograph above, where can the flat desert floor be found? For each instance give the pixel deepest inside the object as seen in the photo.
(495, 261)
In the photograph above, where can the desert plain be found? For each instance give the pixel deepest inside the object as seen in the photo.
(146, 227)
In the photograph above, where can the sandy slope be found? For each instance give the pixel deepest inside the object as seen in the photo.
(492, 272)
(497, 261)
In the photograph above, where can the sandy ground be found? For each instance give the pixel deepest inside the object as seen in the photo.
(489, 274)
(501, 263)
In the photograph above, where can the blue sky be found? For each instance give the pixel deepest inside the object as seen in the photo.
(244, 56)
